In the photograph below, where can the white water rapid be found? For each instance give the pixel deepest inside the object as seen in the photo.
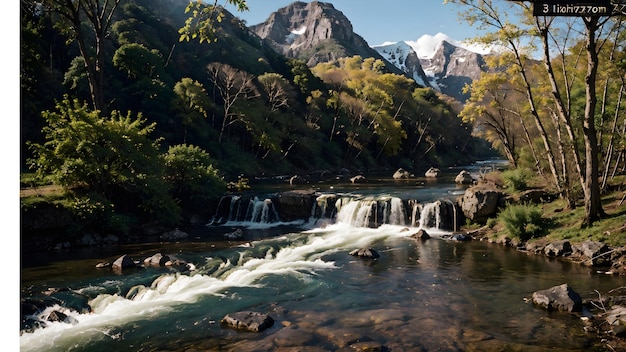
(298, 256)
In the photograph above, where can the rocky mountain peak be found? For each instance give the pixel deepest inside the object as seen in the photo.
(314, 32)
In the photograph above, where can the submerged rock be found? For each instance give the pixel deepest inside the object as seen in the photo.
(561, 298)
(248, 320)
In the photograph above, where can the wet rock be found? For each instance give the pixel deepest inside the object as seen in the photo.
(367, 346)
(235, 235)
(561, 298)
(422, 235)
(460, 237)
(157, 260)
(290, 337)
(123, 262)
(174, 235)
(367, 253)
(61, 317)
(297, 180)
(295, 205)
(464, 178)
(341, 337)
(358, 179)
(248, 320)
(401, 174)
(433, 172)
(558, 249)
(616, 319)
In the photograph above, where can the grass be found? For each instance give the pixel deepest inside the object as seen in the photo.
(568, 222)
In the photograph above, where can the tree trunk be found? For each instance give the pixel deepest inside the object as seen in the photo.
(591, 187)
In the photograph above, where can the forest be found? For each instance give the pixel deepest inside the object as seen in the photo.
(123, 111)
(148, 104)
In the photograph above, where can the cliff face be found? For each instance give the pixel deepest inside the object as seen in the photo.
(451, 67)
(314, 32)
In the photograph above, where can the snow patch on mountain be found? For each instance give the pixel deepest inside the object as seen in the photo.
(398, 54)
(294, 34)
(427, 45)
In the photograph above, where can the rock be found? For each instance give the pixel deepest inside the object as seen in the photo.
(367, 253)
(561, 298)
(401, 174)
(616, 319)
(479, 203)
(248, 320)
(460, 237)
(123, 262)
(536, 196)
(235, 235)
(358, 179)
(421, 235)
(295, 205)
(110, 240)
(89, 240)
(297, 180)
(104, 265)
(558, 249)
(174, 235)
(433, 172)
(464, 178)
(61, 317)
(157, 260)
(592, 252)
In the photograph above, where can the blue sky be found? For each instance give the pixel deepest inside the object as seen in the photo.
(378, 21)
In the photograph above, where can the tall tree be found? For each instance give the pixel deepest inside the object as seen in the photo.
(233, 85)
(87, 22)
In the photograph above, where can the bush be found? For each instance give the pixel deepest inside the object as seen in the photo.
(524, 221)
(516, 179)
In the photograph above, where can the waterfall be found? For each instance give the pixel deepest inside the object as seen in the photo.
(355, 210)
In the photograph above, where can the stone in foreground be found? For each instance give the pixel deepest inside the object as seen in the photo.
(248, 320)
(561, 298)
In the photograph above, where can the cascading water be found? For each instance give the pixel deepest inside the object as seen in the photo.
(359, 211)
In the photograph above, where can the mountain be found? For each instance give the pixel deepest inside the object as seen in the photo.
(447, 64)
(314, 32)
(404, 57)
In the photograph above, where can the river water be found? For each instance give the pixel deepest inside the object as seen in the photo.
(434, 295)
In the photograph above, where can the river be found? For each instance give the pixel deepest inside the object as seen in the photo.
(433, 295)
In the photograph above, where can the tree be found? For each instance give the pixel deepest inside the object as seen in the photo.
(98, 14)
(111, 157)
(233, 85)
(191, 102)
(192, 179)
(201, 22)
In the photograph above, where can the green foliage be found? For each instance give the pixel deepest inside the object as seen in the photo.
(524, 221)
(202, 18)
(111, 157)
(516, 179)
(192, 179)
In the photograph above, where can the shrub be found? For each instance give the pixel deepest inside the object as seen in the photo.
(516, 179)
(523, 221)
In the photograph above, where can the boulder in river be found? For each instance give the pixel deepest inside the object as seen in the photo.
(561, 298)
(123, 262)
(367, 253)
(248, 320)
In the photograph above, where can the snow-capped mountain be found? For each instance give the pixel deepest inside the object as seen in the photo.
(447, 64)
(404, 57)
